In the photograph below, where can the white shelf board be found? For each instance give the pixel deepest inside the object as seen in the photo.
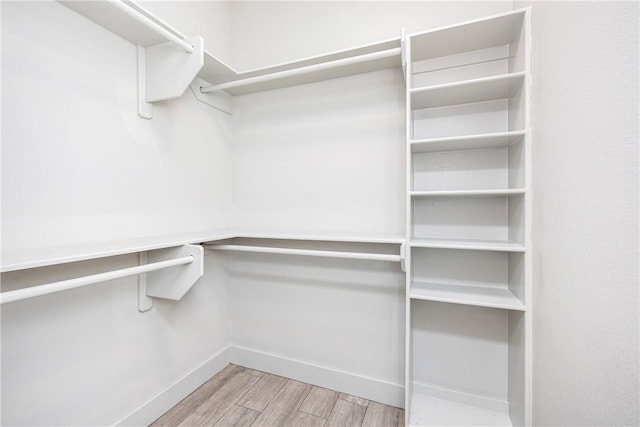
(482, 296)
(60, 255)
(42, 257)
(342, 71)
(469, 193)
(469, 244)
(216, 71)
(476, 34)
(348, 238)
(430, 411)
(467, 142)
(466, 92)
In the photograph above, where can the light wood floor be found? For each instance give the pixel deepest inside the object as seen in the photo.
(244, 397)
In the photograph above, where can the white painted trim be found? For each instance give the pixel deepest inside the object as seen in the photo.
(155, 407)
(477, 400)
(345, 382)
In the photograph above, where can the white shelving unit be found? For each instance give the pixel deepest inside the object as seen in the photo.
(468, 219)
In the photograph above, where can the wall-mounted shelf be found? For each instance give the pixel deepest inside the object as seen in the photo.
(471, 244)
(468, 193)
(467, 142)
(342, 63)
(112, 16)
(466, 92)
(62, 255)
(482, 296)
(171, 273)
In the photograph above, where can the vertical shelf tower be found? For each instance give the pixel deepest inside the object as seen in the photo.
(468, 223)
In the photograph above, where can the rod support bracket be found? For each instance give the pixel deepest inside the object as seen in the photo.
(165, 71)
(175, 282)
(403, 257)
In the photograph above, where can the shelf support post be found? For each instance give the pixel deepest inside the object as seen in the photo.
(145, 303)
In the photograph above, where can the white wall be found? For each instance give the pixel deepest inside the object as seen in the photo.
(80, 167)
(78, 164)
(585, 183)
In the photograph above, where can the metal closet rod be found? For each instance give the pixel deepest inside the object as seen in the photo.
(152, 25)
(35, 291)
(303, 70)
(307, 252)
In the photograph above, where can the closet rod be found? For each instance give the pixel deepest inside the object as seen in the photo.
(64, 285)
(307, 252)
(149, 23)
(304, 70)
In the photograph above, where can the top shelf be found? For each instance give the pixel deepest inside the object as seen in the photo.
(215, 71)
(283, 75)
(498, 30)
(105, 14)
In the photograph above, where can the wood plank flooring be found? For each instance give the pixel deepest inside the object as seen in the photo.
(242, 397)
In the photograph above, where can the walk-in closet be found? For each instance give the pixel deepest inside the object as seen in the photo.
(283, 213)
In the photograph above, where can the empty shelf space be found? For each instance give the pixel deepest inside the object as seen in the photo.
(431, 411)
(471, 244)
(466, 92)
(467, 142)
(492, 171)
(469, 193)
(472, 35)
(482, 296)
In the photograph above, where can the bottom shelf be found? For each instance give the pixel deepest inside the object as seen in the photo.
(430, 411)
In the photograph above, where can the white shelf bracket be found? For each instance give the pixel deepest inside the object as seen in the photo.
(144, 302)
(165, 71)
(403, 257)
(219, 100)
(174, 283)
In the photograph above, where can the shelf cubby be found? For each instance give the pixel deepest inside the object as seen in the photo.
(467, 367)
(459, 218)
(470, 277)
(473, 51)
(499, 170)
(498, 113)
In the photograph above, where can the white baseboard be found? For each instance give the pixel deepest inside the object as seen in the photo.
(345, 382)
(149, 411)
(466, 398)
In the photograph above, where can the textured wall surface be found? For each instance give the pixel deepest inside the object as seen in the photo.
(585, 153)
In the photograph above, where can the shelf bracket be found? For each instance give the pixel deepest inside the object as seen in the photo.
(219, 100)
(403, 257)
(145, 303)
(165, 71)
(174, 283)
